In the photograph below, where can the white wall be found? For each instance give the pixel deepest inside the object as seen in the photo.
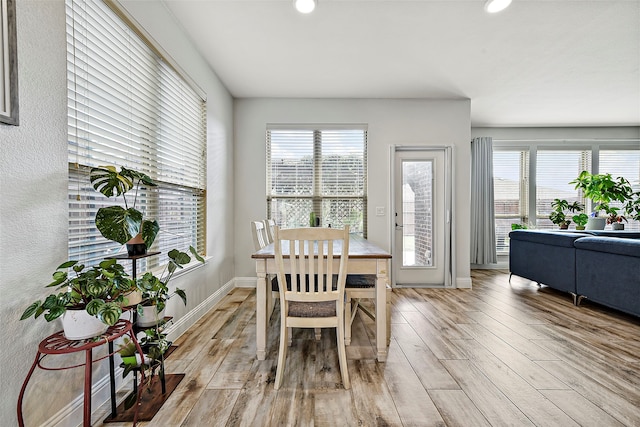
(407, 122)
(33, 212)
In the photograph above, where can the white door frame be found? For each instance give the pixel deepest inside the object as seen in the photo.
(450, 267)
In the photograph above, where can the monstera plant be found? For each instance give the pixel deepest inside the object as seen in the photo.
(122, 224)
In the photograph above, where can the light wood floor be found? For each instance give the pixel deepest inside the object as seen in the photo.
(500, 354)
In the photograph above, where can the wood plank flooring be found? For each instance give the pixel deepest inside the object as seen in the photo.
(500, 354)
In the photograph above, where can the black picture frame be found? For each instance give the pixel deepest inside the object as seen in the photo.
(8, 64)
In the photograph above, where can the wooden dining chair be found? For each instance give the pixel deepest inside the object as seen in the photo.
(313, 297)
(269, 225)
(259, 235)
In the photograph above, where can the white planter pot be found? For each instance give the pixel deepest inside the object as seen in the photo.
(133, 298)
(596, 223)
(80, 325)
(150, 316)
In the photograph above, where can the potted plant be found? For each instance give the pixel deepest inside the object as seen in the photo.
(602, 189)
(558, 215)
(155, 290)
(91, 299)
(125, 225)
(632, 208)
(581, 220)
(615, 218)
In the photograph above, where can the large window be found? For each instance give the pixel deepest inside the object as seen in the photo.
(528, 176)
(319, 170)
(510, 192)
(128, 107)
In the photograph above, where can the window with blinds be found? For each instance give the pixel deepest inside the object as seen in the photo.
(323, 171)
(510, 189)
(554, 169)
(624, 163)
(128, 107)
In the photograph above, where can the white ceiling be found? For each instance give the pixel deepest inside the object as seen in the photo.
(538, 63)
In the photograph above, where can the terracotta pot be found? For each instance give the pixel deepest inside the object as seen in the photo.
(80, 325)
(136, 246)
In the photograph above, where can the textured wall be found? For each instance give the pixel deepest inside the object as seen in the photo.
(33, 208)
(33, 211)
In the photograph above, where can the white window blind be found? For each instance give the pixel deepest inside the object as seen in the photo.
(510, 190)
(624, 163)
(128, 107)
(317, 170)
(554, 170)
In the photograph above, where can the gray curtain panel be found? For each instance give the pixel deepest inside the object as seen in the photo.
(483, 234)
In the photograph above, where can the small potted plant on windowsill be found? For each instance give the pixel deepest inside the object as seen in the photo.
(91, 299)
(580, 220)
(602, 189)
(615, 218)
(558, 215)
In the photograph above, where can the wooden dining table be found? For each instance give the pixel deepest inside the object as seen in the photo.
(365, 258)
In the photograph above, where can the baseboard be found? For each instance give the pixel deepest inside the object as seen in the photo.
(245, 282)
(180, 326)
(463, 282)
(71, 414)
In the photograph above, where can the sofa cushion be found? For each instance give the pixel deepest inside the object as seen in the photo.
(611, 245)
(554, 238)
(627, 234)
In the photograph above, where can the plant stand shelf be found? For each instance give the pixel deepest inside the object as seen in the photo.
(57, 344)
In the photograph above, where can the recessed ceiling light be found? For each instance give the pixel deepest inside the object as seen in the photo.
(304, 6)
(494, 6)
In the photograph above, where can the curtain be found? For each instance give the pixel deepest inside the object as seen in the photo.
(483, 236)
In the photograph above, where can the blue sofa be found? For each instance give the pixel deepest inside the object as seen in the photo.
(608, 272)
(587, 264)
(546, 257)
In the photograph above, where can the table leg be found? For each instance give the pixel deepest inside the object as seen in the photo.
(86, 419)
(261, 309)
(381, 310)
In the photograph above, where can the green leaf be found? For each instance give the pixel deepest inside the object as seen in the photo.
(109, 182)
(149, 232)
(134, 175)
(178, 257)
(182, 295)
(54, 313)
(66, 265)
(118, 224)
(58, 278)
(95, 306)
(110, 313)
(32, 310)
(196, 254)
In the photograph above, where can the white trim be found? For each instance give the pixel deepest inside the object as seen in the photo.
(463, 283)
(246, 282)
(181, 325)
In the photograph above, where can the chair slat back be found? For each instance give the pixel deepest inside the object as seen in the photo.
(312, 254)
(269, 226)
(259, 235)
